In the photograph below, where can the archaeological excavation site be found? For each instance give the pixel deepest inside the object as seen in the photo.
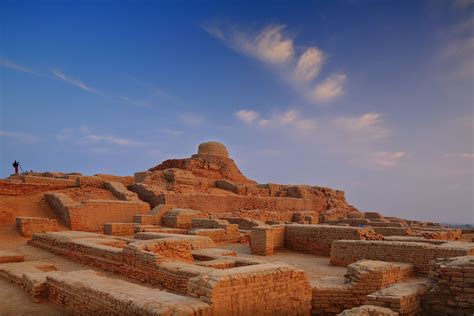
(195, 236)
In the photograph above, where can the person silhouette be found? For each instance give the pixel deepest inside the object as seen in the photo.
(15, 165)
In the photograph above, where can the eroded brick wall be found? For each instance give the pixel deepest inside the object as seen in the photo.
(27, 226)
(265, 289)
(265, 239)
(317, 239)
(344, 252)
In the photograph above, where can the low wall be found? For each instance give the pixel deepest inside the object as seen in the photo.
(344, 252)
(244, 223)
(119, 229)
(265, 289)
(404, 298)
(120, 191)
(8, 256)
(332, 295)
(85, 292)
(219, 204)
(317, 239)
(91, 215)
(265, 239)
(393, 231)
(453, 291)
(27, 226)
(181, 218)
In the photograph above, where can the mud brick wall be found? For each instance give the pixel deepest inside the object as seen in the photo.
(181, 218)
(87, 293)
(219, 204)
(244, 223)
(156, 250)
(265, 289)
(119, 229)
(264, 240)
(393, 231)
(49, 181)
(83, 181)
(27, 226)
(8, 256)
(404, 298)
(453, 291)
(317, 239)
(60, 203)
(197, 242)
(332, 295)
(120, 191)
(30, 276)
(91, 215)
(228, 234)
(144, 219)
(344, 252)
(368, 310)
(209, 223)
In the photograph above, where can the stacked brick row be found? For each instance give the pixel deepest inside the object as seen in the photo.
(453, 291)
(332, 295)
(136, 260)
(181, 218)
(119, 229)
(265, 239)
(120, 191)
(317, 239)
(27, 226)
(404, 298)
(265, 289)
(86, 293)
(8, 256)
(345, 252)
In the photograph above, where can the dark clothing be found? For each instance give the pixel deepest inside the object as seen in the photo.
(15, 165)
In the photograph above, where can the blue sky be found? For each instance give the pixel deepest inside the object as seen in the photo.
(371, 97)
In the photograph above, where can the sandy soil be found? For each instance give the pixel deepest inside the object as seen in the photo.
(314, 266)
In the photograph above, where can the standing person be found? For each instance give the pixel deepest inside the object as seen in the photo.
(15, 165)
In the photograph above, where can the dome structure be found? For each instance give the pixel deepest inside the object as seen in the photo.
(213, 148)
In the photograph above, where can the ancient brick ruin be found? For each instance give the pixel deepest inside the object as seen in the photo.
(195, 236)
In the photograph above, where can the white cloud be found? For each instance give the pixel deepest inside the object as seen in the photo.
(366, 126)
(309, 64)
(247, 116)
(275, 48)
(289, 118)
(58, 74)
(459, 155)
(19, 136)
(138, 103)
(330, 88)
(85, 136)
(11, 65)
(191, 119)
(269, 45)
(387, 159)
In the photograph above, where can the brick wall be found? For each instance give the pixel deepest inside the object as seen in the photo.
(453, 291)
(317, 239)
(344, 252)
(87, 293)
(332, 295)
(265, 289)
(27, 226)
(119, 229)
(265, 239)
(181, 218)
(91, 215)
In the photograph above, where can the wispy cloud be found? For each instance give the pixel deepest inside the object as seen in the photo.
(191, 119)
(138, 103)
(276, 49)
(58, 74)
(467, 156)
(290, 118)
(360, 139)
(387, 159)
(85, 136)
(19, 136)
(12, 65)
(330, 88)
